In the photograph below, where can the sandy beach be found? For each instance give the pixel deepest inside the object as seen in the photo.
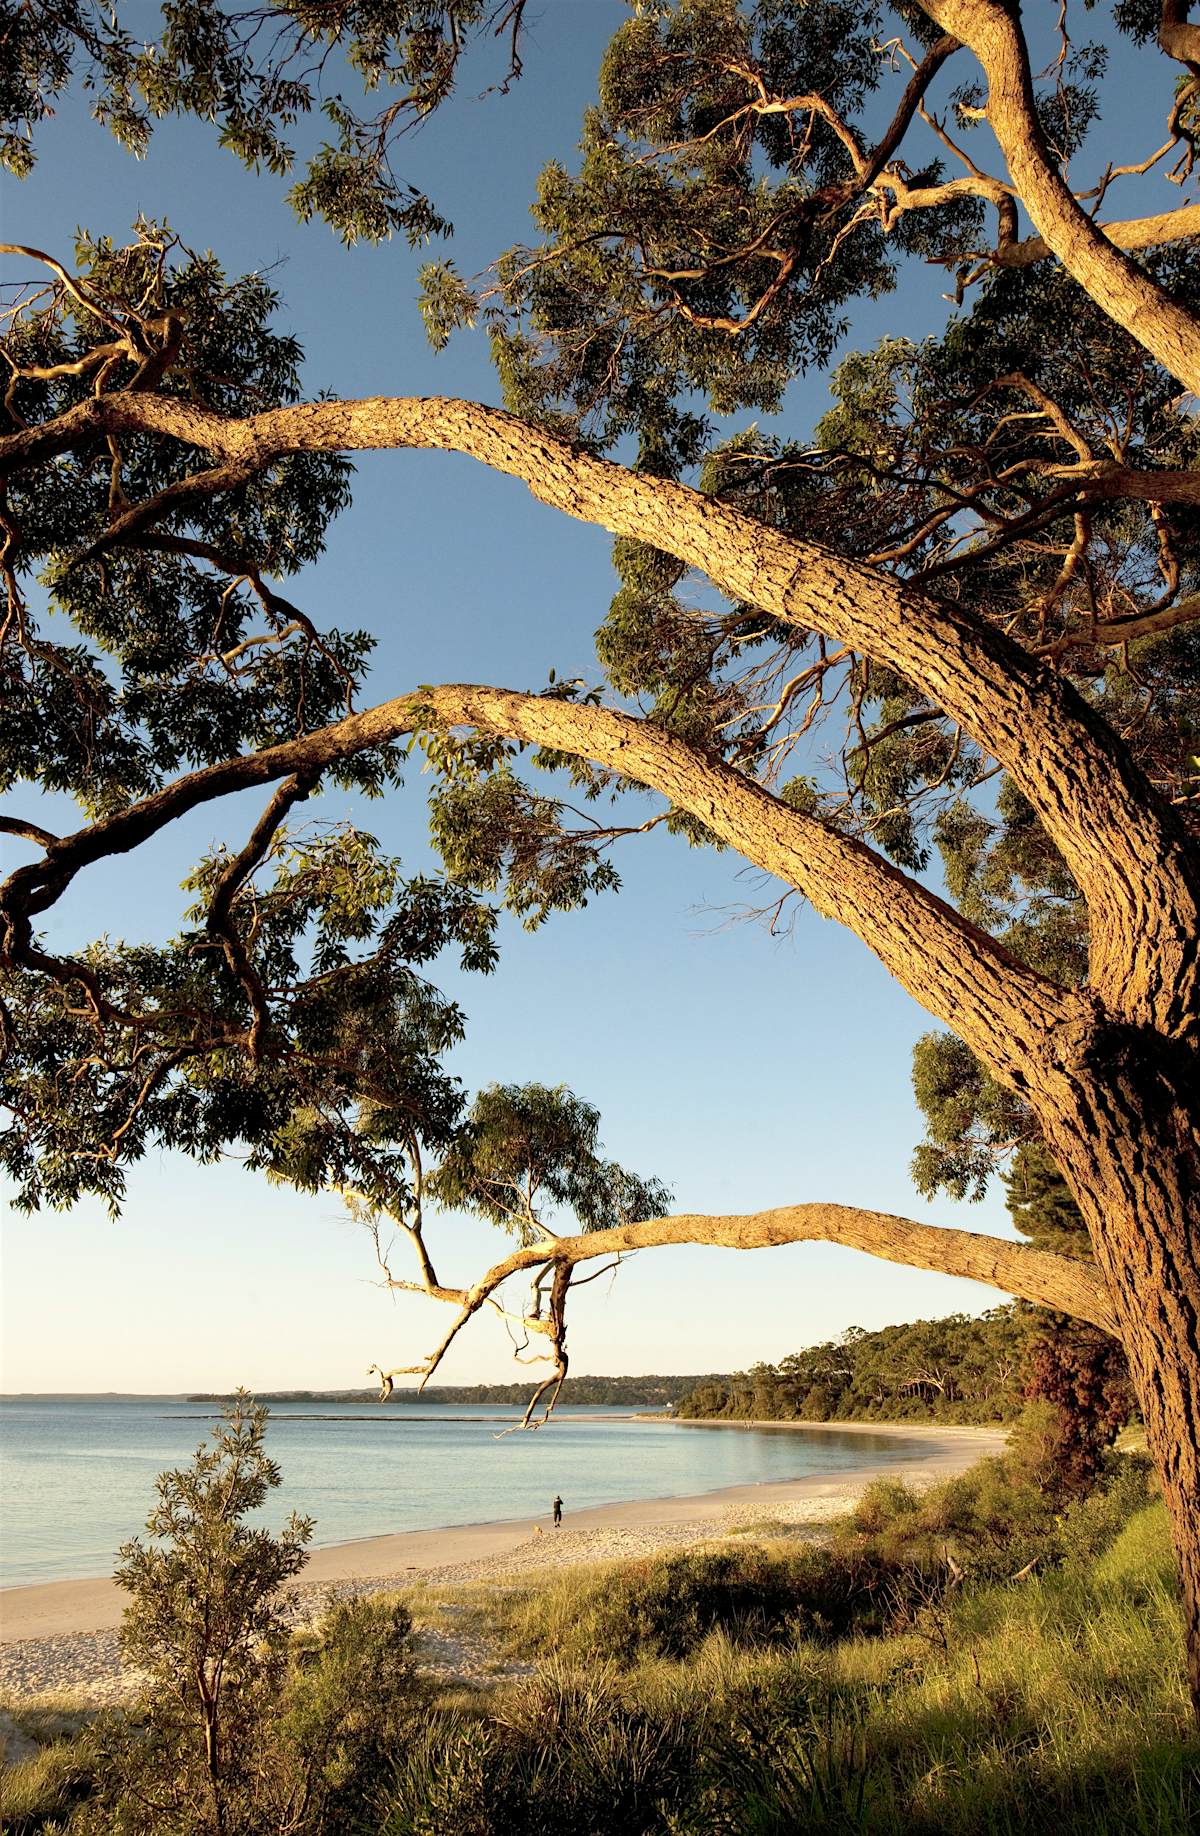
(61, 1635)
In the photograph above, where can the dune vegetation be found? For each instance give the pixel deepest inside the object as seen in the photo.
(988, 1655)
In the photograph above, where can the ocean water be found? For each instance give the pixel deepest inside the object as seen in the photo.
(77, 1477)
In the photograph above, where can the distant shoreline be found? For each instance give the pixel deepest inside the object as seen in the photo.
(58, 1609)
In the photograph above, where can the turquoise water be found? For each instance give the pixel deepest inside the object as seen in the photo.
(78, 1477)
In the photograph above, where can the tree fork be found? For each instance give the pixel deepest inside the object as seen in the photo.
(1119, 287)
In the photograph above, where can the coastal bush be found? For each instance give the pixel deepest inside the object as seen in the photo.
(858, 1692)
(756, 1593)
(205, 1621)
(348, 1704)
(567, 1752)
(995, 1518)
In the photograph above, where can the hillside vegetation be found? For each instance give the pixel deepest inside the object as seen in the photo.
(953, 1369)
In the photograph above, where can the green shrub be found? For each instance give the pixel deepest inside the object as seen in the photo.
(883, 1503)
(993, 1520)
(350, 1702)
(666, 1607)
(568, 1755)
(206, 1622)
(1093, 1523)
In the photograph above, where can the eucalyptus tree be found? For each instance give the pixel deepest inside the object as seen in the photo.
(979, 571)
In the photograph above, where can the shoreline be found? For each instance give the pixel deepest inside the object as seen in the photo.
(53, 1634)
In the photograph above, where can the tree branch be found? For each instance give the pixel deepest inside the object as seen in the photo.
(1065, 1283)
(1123, 845)
(1118, 286)
(236, 873)
(1003, 1009)
(1133, 233)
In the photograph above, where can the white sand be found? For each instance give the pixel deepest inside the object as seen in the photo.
(61, 1635)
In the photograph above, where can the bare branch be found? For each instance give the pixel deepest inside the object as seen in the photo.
(1064, 1283)
(28, 831)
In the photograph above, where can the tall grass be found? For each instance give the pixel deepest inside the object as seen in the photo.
(1056, 1703)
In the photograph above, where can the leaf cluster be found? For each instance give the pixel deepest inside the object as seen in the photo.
(173, 649)
(347, 1086)
(525, 1151)
(256, 73)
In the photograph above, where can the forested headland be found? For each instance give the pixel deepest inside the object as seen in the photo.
(953, 1369)
(611, 1392)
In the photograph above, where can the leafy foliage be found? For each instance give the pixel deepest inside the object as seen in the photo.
(747, 173)
(205, 1622)
(159, 666)
(347, 1087)
(256, 73)
(957, 1368)
(525, 1148)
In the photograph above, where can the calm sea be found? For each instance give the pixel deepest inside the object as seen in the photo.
(78, 1477)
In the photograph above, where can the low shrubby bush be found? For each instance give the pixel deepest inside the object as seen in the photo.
(564, 1753)
(666, 1606)
(348, 1699)
(350, 1702)
(994, 1519)
(1041, 1706)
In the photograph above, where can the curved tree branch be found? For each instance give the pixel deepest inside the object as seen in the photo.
(1063, 1283)
(1118, 286)
(1123, 845)
(1008, 1014)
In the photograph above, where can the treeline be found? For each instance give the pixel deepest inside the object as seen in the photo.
(954, 1369)
(610, 1392)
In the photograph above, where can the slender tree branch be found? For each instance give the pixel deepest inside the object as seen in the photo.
(27, 831)
(233, 878)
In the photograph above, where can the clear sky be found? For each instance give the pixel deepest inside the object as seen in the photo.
(744, 1070)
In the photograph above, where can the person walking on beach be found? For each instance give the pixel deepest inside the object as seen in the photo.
(557, 1512)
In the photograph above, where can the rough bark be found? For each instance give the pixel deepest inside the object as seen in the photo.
(1125, 1135)
(1122, 844)
(1118, 286)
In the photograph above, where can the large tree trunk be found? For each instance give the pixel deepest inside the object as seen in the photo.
(1128, 1144)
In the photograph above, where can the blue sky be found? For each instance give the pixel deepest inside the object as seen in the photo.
(745, 1070)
